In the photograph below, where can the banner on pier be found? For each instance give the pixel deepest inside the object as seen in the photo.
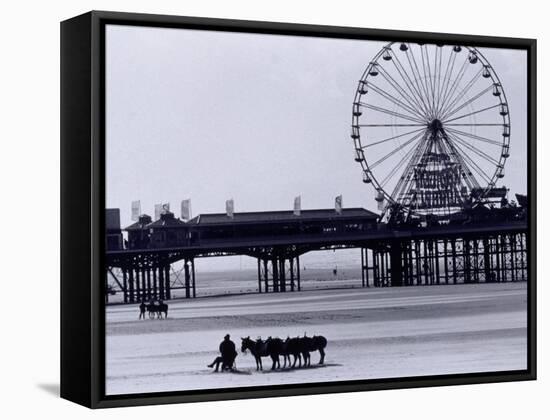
(298, 205)
(229, 207)
(136, 210)
(186, 210)
(338, 204)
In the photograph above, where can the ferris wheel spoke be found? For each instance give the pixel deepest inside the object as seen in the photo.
(460, 157)
(420, 106)
(391, 138)
(474, 125)
(397, 166)
(474, 136)
(474, 165)
(438, 101)
(453, 83)
(389, 112)
(482, 174)
(427, 80)
(461, 94)
(468, 102)
(410, 85)
(397, 87)
(474, 149)
(434, 74)
(391, 125)
(449, 149)
(430, 79)
(448, 74)
(396, 101)
(405, 180)
(479, 111)
(449, 94)
(418, 79)
(394, 151)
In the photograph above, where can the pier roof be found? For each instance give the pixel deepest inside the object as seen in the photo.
(167, 220)
(283, 216)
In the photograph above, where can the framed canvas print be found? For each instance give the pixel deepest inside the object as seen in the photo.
(255, 209)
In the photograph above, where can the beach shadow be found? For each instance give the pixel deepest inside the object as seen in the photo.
(235, 372)
(286, 370)
(52, 389)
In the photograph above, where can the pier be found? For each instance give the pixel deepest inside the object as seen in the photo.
(483, 246)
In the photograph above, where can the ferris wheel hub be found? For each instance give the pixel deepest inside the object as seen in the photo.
(435, 125)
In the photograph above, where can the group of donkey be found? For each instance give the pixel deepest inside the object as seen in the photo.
(298, 347)
(156, 309)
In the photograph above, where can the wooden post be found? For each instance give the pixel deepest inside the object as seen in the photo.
(396, 264)
(467, 262)
(149, 290)
(282, 274)
(513, 255)
(125, 284)
(503, 252)
(375, 268)
(475, 244)
(446, 260)
(167, 281)
(155, 283)
(259, 277)
(266, 275)
(131, 284)
(418, 262)
(487, 262)
(138, 285)
(498, 266)
(362, 268)
(274, 265)
(367, 268)
(411, 265)
(437, 274)
(383, 268)
(187, 279)
(428, 255)
(298, 272)
(144, 281)
(161, 282)
(291, 262)
(194, 286)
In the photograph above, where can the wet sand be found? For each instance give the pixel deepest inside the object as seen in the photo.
(372, 333)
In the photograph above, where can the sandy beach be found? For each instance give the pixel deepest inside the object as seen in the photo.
(372, 333)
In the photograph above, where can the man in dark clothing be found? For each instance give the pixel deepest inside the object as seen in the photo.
(228, 351)
(142, 308)
(228, 355)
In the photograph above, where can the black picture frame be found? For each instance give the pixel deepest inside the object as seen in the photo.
(83, 204)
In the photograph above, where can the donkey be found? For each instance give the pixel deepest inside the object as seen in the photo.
(157, 309)
(292, 347)
(311, 344)
(275, 348)
(258, 349)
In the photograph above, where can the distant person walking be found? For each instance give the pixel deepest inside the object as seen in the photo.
(142, 308)
(228, 355)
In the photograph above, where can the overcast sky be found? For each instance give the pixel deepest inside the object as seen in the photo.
(258, 118)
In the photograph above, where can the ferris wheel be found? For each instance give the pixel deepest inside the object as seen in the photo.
(431, 128)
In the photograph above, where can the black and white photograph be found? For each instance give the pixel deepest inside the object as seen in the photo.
(286, 209)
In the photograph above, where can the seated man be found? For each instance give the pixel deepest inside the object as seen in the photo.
(228, 355)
